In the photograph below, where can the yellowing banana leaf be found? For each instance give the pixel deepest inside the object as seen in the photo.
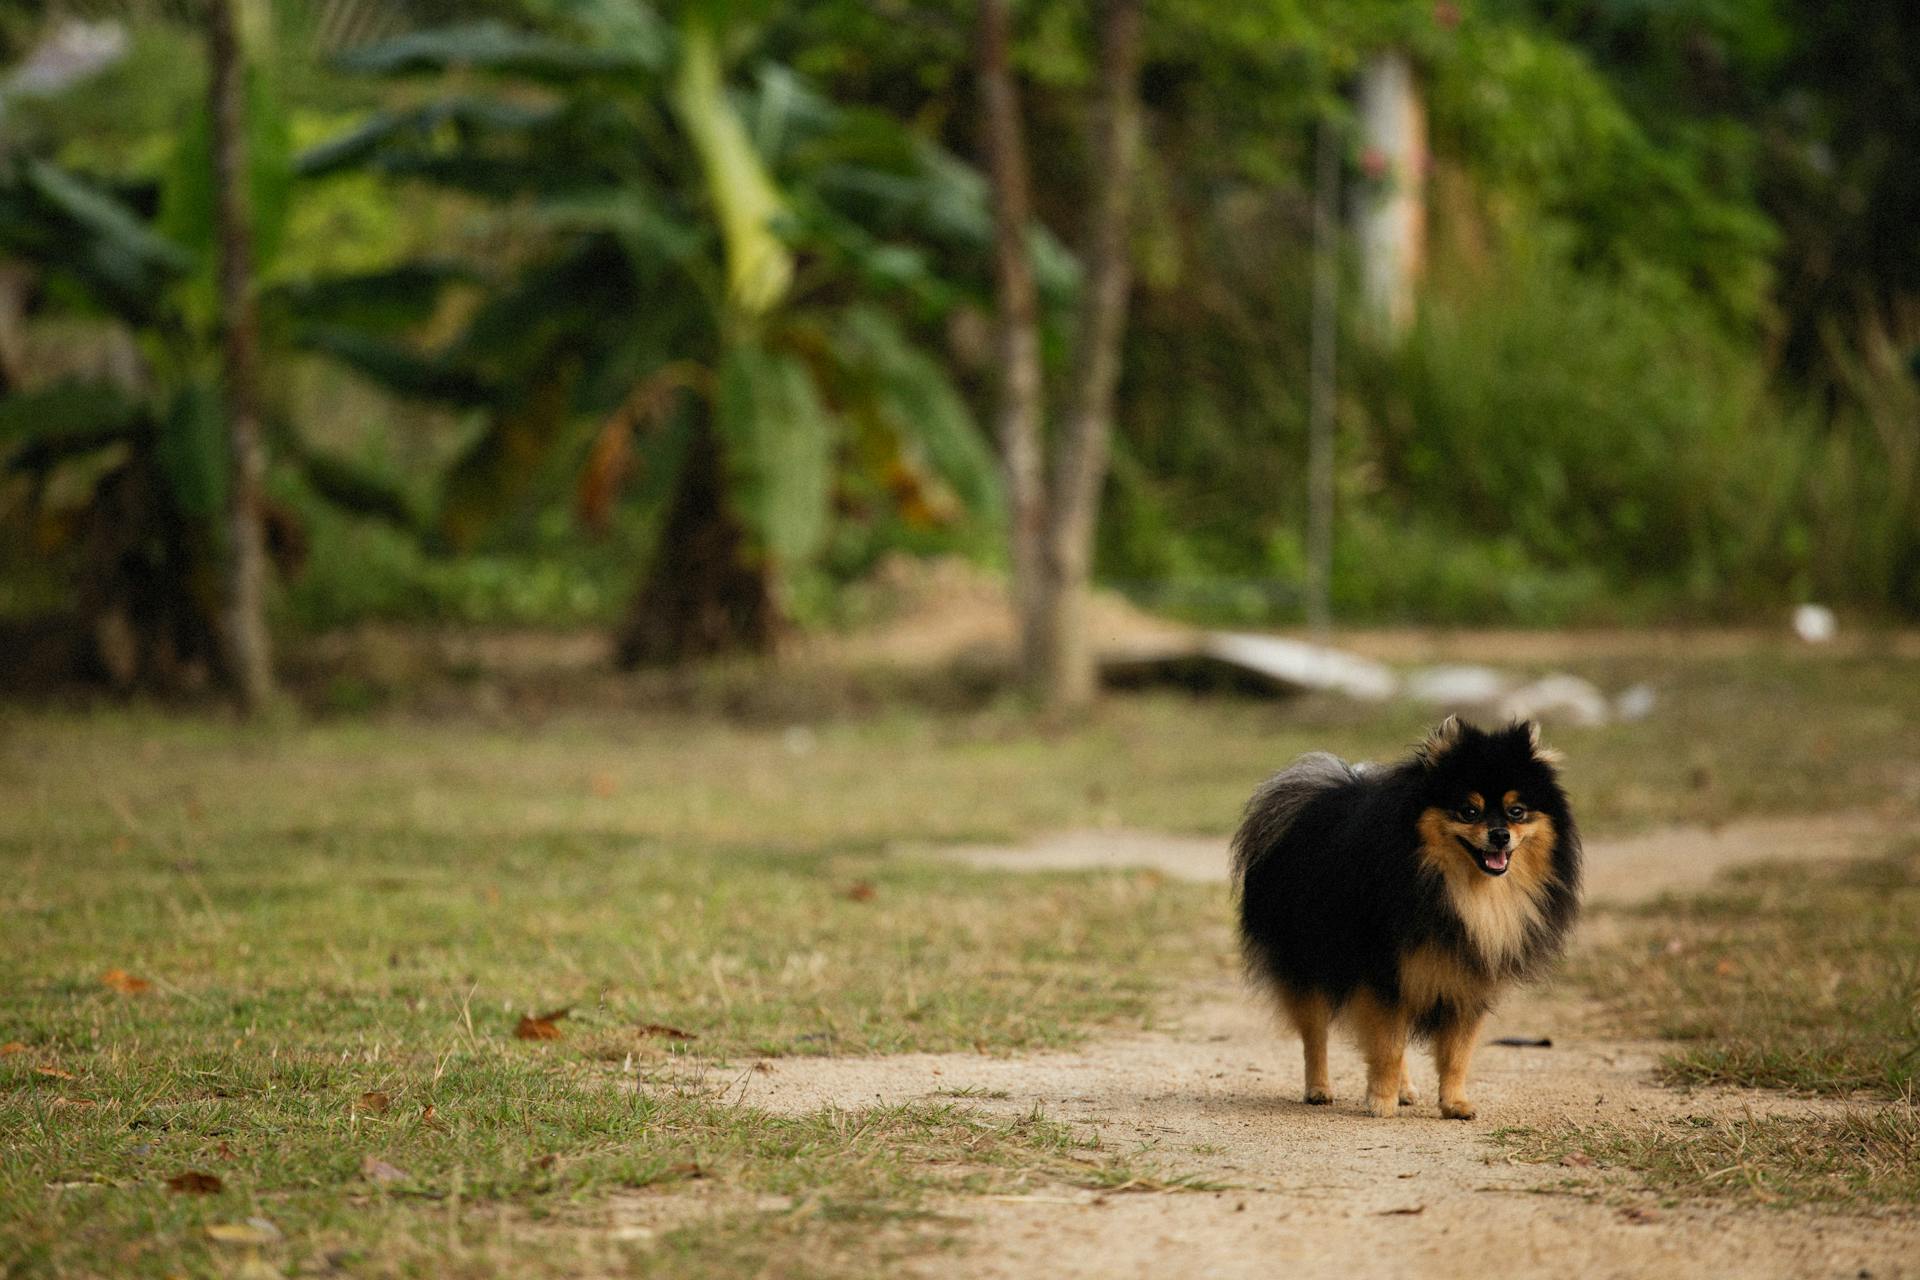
(759, 264)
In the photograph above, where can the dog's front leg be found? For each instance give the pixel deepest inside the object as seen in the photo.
(1452, 1051)
(1383, 1041)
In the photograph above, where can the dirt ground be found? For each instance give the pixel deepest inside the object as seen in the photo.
(1326, 1191)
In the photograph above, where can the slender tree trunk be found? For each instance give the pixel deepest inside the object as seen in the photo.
(1022, 407)
(246, 653)
(1080, 465)
(1326, 314)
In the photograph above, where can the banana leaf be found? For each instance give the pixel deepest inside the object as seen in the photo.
(80, 233)
(779, 443)
(495, 47)
(68, 409)
(399, 368)
(375, 301)
(190, 450)
(759, 264)
(381, 133)
(187, 194)
(911, 392)
(354, 488)
(501, 467)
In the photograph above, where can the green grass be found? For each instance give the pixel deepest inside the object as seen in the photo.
(1857, 1159)
(1798, 978)
(351, 906)
(326, 913)
(1803, 978)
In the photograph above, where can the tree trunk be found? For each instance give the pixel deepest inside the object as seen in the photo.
(1393, 217)
(705, 594)
(1080, 465)
(1022, 407)
(246, 654)
(1321, 388)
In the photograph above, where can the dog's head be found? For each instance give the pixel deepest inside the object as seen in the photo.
(1490, 798)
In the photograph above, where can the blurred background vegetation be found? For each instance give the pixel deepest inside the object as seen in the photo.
(545, 284)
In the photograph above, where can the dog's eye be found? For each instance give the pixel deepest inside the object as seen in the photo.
(1468, 813)
(1516, 812)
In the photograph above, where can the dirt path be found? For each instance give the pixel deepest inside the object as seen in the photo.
(1325, 1191)
(1629, 869)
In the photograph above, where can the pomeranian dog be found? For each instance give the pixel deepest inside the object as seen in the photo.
(1402, 898)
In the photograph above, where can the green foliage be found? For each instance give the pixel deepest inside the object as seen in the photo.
(911, 397)
(1595, 426)
(498, 48)
(92, 242)
(187, 188)
(69, 410)
(778, 442)
(759, 266)
(641, 188)
(1540, 126)
(190, 450)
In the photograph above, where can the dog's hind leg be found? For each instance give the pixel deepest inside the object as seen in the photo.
(1408, 1094)
(1311, 1015)
(1383, 1040)
(1452, 1051)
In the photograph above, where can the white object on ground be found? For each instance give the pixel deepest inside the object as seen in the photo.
(1457, 686)
(1308, 666)
(1815, 623)
(1635, 702)
(1561, 697)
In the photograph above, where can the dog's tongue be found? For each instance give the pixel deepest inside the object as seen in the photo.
(1497, 861)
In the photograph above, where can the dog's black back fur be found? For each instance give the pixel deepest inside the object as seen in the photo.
(1334, 890)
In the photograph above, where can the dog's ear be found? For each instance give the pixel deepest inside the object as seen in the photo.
(1445, 736)
(1545, 755)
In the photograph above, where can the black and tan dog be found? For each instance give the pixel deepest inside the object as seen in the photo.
(1402, 898)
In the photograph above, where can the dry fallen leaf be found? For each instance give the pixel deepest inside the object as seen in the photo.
(375, 1101)
(687, 1169)
(666, 1032)
(78, 1104)
(10, 1048)
(192, 1182)
(540, 1026)
(254, 1231)
(376, 1170)
(1726, 969)
(55, 1072)
(860, 891)
(125, 983)
(431, 1115)
(545, 1162)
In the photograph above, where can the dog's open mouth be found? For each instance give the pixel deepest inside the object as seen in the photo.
(1492, 861)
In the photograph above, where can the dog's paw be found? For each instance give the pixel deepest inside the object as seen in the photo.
(1383, 1108)
(1408, 1095)
(1457, 1109)
(1318, 1096)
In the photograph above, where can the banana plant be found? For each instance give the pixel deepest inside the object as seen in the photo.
(129, 472)
(727, 274)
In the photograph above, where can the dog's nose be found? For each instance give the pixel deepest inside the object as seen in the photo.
(1498, 837)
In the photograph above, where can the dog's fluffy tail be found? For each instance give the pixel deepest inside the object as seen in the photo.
(1276, 806)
